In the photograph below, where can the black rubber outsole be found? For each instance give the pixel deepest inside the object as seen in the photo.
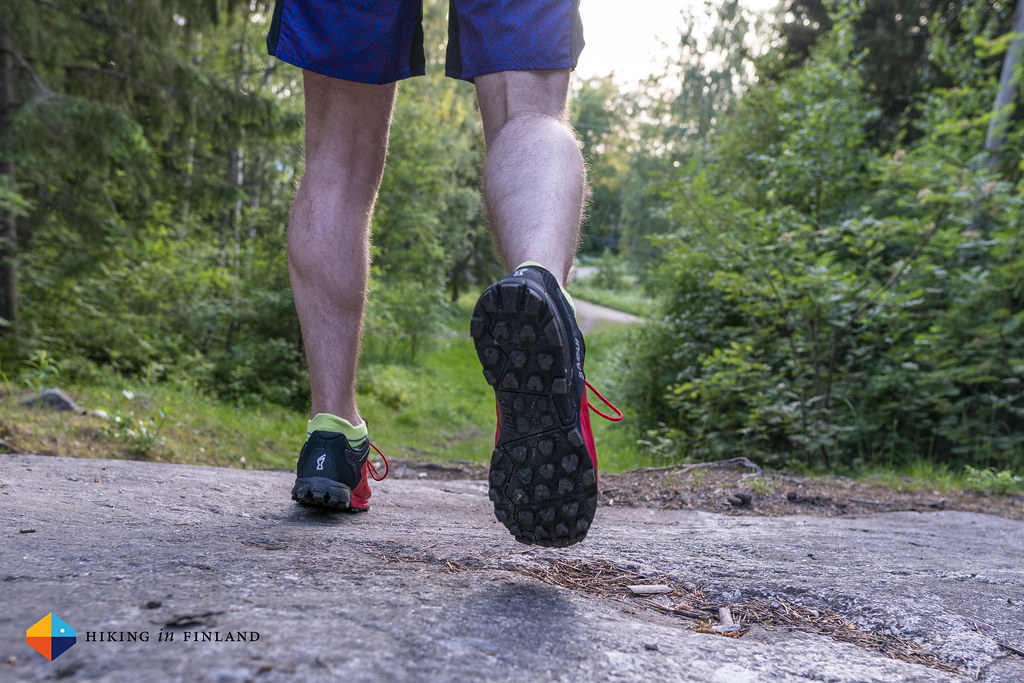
(542, 482)
(323, 493)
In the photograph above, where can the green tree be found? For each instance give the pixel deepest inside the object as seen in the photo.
(836, 305)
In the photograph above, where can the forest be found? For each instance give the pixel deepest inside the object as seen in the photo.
(820, 208)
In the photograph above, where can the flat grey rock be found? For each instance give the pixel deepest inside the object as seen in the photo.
(428, 586)
(54, 399)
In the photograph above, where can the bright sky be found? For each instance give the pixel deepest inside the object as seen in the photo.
(627, 37)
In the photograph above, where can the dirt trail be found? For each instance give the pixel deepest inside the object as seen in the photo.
(591, 316)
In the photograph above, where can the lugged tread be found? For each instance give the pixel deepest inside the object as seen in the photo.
(542, 480)
(323, 493)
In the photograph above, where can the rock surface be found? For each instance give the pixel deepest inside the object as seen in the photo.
(428, 586)
(54, 399)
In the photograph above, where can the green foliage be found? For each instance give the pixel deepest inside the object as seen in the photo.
(988, 479)
(613, 286)
(599, 113)
(140, 249)
(139, 434)
(428, 233)
(157, 151)
(831, 305)
(608, 275)
(674, 112)
(41, 370)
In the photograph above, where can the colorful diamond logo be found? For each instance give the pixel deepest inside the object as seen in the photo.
(51, 636)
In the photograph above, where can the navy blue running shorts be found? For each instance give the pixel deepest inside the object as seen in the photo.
(381, 41)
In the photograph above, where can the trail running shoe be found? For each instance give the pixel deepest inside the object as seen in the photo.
(543, 476)
(334, 474)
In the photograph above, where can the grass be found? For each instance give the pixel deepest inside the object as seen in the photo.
(440, 408)
(923, 475)
(443, 409)
(156, 422)
(613, 284)
(628, 297)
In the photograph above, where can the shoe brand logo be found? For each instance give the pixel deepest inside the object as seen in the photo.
(519, 273)
(320, 461)
(579, 360)
(51, 636)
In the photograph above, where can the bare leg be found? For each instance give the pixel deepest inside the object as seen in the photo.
(534, 174)
(328, 237)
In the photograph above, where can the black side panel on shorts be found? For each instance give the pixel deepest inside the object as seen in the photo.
(275, 27)
(577, 33)
(417, 60)
(453, 55)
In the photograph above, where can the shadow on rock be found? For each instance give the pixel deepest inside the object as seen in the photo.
(517, 616)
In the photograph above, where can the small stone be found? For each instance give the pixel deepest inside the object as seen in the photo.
(727, 628)
(651, 646)
(27, 531)
(650, 589)
(740, 499)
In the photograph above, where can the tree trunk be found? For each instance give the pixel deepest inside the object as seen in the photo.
(1002, 109)
(8, 231)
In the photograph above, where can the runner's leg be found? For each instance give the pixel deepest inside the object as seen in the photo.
(347, 127)
(534, 174)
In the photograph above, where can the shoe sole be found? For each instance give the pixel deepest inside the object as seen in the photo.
(323, 493)
(542, 481)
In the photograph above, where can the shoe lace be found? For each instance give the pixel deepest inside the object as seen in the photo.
(618, 413)
(372, 469)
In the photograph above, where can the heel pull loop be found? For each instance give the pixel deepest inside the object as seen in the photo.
(618, 413)
(372, 469)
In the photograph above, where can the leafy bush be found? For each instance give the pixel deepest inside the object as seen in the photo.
(838, 307)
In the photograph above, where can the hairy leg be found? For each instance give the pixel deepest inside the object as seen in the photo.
(534, 176)
(328, 236)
